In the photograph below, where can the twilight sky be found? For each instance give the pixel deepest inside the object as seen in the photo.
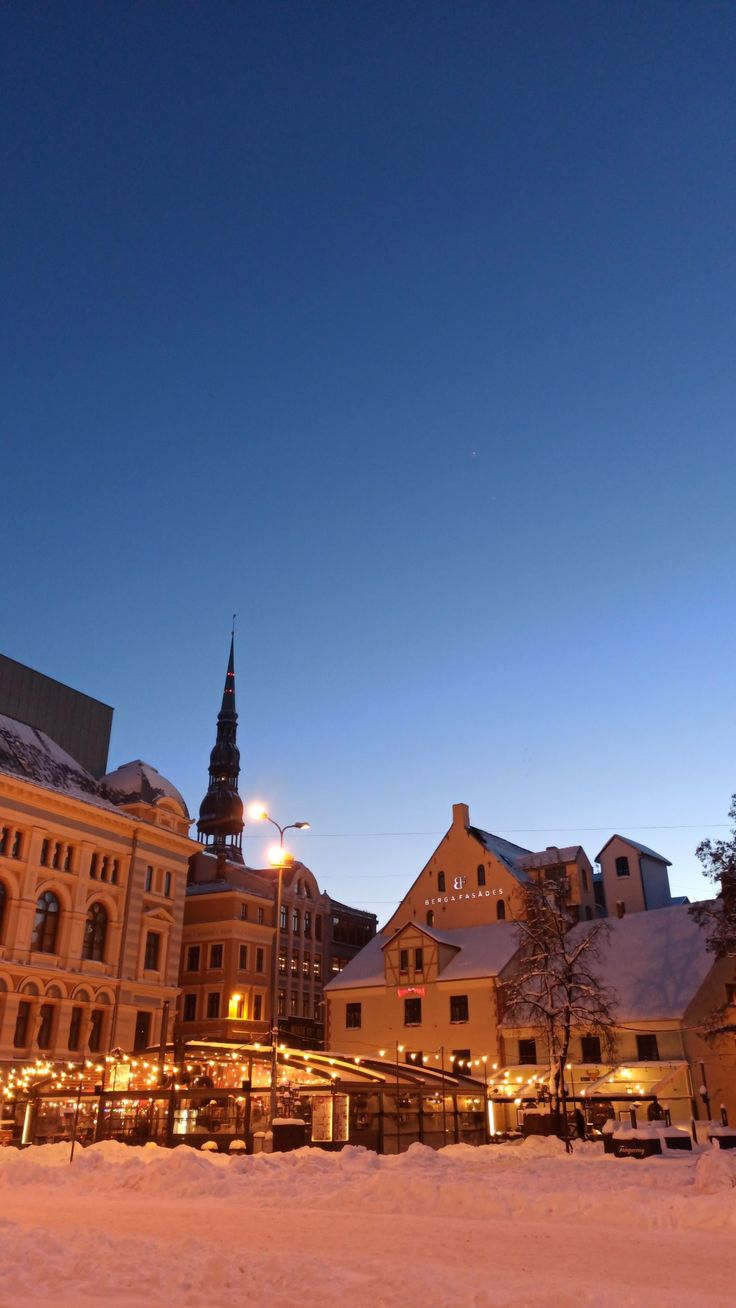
(405, 330)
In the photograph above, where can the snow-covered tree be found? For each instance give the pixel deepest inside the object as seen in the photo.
(555, 987)
(718, 916)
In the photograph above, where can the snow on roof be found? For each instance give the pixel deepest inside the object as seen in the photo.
(31, 755)
(655, 962)
(512, 856)
(139, 781)
(552, 856)
(635, 844)
(481, 951)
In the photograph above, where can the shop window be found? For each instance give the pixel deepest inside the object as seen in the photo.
(95, 933)
(213, 1004)
(193, 958)
(500, 911)
(622, 867)
(45, 923)
(527, 1051)
(353, 1016)
(243, 958)
(95, 1031)
(590, 1049)
(46, 1015)
(647, 1050)
(215, 956)
(259, 960)
(153, 947)
(190, 1008)
(481, 875)
(75, 1028)
(20, 1038)
(441, 882)
(142, 1034)
(458, 1008)
(412, 1012)
(257, 1008)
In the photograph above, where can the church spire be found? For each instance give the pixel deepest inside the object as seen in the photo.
(220, 824)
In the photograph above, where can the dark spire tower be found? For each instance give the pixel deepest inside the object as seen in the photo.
(220, 824)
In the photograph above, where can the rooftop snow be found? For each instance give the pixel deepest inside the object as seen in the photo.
(481, 951)
(140, 781)
(31, 755)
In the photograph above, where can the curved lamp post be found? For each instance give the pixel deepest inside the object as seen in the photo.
(279, 858)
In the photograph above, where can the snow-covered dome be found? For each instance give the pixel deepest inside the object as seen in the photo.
(138, 782)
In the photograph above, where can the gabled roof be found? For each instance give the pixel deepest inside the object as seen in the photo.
(480, 951)
(643, 849)
(552, 856)
(512, 856)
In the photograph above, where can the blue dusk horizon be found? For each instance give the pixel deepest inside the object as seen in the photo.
(405, 331)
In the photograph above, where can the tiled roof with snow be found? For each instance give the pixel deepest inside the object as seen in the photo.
(512, 856)
(481, 951)
(551, 857)
(30, 754)
(139, 782)
(635, 844)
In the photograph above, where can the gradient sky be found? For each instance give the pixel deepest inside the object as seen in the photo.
(406, 331)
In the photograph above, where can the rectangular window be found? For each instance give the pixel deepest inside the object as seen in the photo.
(43, 857)
(259, 960)
(295, 921)
(338, 964)
(306, 965)
(190, 1008)
(213, 1003)
(318, 927)
(282, 1003)
(318, 967)
(403, 960)
(590, 1049)
(646, 1048)
(75, 1027)
(261, 916)
(481, 875)
(243, 958)
(306, 1006)
(294, 965)
(458, 1008)
(21, 1024)
(193, 958)
(94, 864)
(46, 1014)
(283, 919)
(412, 1012)
(461, 1059)
(115, 871)
(418, 960)
(584, 878)
(142, 1030)
(149, 878)
(353, 1016)
(15, 848)
(441, 882)
(215, 956)
(527, 1051)
(95, 1030)
(56, 856)
(153, 943)
(167, 884)
(244, 912)
(257, 1007)
(294, 1004)
(4, 833)
(282, 961)
(622, 867)
(308, 924)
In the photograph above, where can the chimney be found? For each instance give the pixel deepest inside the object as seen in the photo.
(620, 908)
(460, 815)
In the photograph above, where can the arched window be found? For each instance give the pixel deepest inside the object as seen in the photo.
(500, 910)
(45, 923)
(95, 932)
(3, 902)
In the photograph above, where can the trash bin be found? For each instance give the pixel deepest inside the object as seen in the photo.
(288, 1133)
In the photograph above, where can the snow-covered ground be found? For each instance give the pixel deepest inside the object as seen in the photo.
(504, 1225)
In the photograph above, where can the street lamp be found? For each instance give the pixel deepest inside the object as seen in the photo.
(279, 858)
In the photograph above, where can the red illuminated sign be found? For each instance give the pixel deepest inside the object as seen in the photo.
(404, 991)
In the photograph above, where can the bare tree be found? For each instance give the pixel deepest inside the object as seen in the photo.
(555, 987)
(718, 916)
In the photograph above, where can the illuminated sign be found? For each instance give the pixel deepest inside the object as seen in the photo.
(469, 894)
(404, 991)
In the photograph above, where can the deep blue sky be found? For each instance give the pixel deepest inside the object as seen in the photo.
(406, 331)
